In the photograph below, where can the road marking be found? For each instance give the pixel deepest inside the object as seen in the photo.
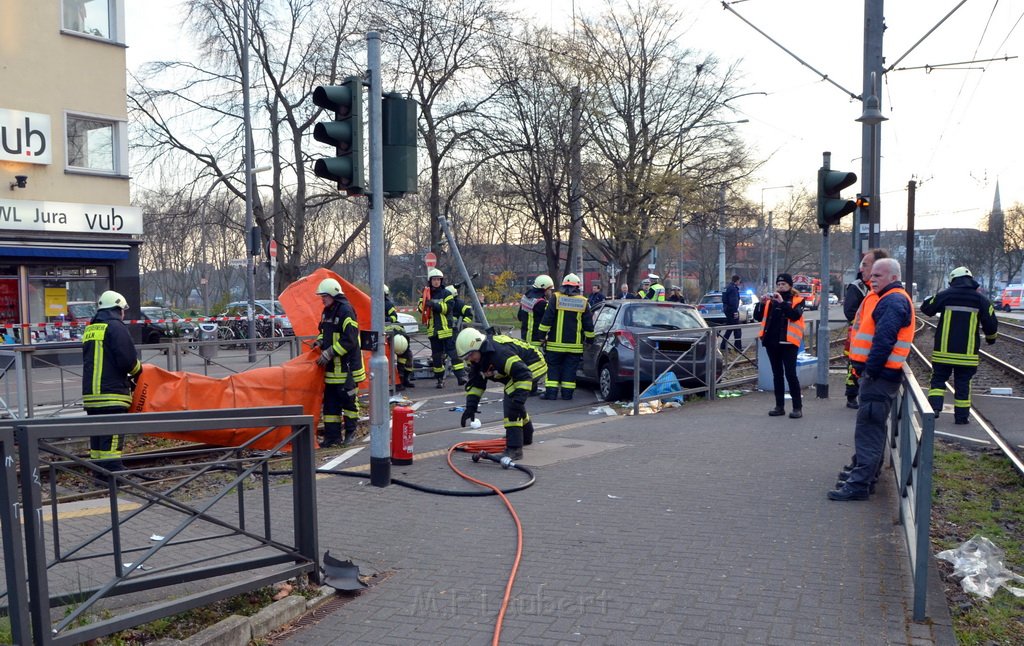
(499, 429)
(343, 457)
(963, 437)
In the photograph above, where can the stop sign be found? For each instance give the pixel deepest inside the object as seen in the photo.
(430, 259)
(272, 249)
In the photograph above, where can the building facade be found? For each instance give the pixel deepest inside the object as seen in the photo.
(67, 230)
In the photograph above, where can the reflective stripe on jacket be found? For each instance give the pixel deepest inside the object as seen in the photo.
(794, 329)
(566, 323)
(109, 362)
(339, 331)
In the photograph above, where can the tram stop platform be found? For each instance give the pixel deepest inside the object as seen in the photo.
(706, 524)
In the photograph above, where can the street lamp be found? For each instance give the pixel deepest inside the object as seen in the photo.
(766, 236)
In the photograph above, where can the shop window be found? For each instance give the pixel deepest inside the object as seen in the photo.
(96, 145)
(98, 18)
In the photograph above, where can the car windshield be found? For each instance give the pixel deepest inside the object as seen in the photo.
(152, 312)
(82, 310)
(711, 299)
(662, 318)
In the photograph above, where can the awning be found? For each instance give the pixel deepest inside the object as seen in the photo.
(92, 252)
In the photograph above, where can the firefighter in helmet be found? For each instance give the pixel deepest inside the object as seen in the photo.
(531, 309)
(399, 343)
(342, 360)
(109, 372)
(567, 325)
(497, 359)
(440, 306)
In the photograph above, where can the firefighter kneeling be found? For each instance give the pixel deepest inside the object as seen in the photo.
(498, 360)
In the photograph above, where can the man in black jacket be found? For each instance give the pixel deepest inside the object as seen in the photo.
(342, 359)
(109, 372)
(962, 309)
(731, 309)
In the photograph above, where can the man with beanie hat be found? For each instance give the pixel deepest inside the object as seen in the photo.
(782, 331)
(962, 309)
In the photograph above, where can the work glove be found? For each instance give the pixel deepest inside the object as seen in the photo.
(325, 358)
(468, 415)
(316, 345)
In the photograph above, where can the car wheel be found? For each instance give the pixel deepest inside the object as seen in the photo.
(154, 337)
(607, 384)
(1006, 308)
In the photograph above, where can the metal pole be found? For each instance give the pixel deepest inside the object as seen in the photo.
(380, 438)
(771, 250)
(911, 201)
(474, 300)
(821, 386)
(575, 177)
(250, 263)
(874, 24)
(721, 238)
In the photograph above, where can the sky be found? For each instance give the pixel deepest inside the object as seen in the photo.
(955, 130)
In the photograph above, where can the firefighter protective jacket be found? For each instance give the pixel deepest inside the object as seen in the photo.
(530, 354)
(531, 313)
(391, 323)
(110, 362)
(498, 362)
(567, 322)
(442, 306)
(962, 309)
(339, 331)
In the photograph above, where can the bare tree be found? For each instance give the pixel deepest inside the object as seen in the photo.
(797, 235)
(1013, 234)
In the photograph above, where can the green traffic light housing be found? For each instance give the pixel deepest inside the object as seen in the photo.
(345, 133)
(398, 132)
(831, 205)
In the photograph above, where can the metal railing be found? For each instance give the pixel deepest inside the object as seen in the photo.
(911, 437)
(202, 537)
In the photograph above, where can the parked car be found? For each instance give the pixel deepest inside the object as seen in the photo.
(747, 302)
(263, 309)
(833, 299)
(159, 326)
(676, 342)
(78, 316)
(710, 307)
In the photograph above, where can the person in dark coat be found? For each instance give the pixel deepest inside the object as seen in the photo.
(854, 296)
(962, 309)
(595, 297)
(781, 314)
(676, 296)
(731, 309)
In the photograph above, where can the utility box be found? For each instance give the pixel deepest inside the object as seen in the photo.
(208, 335)
(806, 370)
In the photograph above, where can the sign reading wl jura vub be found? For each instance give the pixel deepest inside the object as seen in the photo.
(66, 217)
(25, 137)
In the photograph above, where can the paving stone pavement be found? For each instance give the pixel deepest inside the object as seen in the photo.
(702, 525)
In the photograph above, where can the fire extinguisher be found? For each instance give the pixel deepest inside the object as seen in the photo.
(401, 435)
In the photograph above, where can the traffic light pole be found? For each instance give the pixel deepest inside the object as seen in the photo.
(380, 438)
(821, 386)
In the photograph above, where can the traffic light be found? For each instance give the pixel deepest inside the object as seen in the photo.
(398, 132)
(345, 133)
(831, 206)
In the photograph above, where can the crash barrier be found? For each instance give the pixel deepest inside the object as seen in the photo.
(911, 436)
(679, 355)
(153, 533)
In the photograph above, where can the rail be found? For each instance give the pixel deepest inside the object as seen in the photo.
(202, 535)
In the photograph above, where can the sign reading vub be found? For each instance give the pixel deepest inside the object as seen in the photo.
(66, 217)
(25, 137)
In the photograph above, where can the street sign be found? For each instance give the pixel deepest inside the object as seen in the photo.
(272, 250)
(237, 262)
(430, 258)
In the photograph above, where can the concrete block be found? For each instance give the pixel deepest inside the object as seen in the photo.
(166, 641)
(233, 631)
(326, 594)
(277, 614)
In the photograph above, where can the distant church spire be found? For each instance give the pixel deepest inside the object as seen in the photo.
(995, 218)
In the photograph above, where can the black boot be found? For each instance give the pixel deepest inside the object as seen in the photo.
(440, 382)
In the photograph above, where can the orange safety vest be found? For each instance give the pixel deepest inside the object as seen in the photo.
(794, 329)
(864, 332)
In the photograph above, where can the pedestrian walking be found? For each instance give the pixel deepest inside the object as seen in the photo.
(567, 325)
(439, 306)
(962, 310)
(497, 360)
(854, 296)
(781, 314)
(342, 361)
(399, 343)
(110, 369)
(879, 350)
(531, 309)
(731, 309)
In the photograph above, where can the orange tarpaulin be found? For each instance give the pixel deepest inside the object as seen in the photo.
(298, 382)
